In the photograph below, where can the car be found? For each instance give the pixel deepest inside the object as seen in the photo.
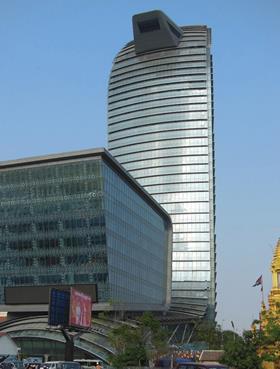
(89, 363)
(201, 366)
(60, 365)
(7, 365)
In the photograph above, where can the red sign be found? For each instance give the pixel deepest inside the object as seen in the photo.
(80, 309)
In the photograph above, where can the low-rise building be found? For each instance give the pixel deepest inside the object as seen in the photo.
(79, 219)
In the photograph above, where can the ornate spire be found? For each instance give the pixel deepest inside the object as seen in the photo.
(276, 252)
(276, 258)
(274, 296)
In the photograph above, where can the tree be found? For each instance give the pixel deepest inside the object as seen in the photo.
(209, 332)
(154, 336)
(129, 347)
(241, 352)
(228, 336)
(136, 345)
(269, 332)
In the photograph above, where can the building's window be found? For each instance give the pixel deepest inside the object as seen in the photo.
(19, 228)
(49, 260)
(149, 25)
(22, 280)
(97, 220)
(98, 239)
(74, 223)
(28, 261)
(78, 278)
(78, 259)
(48, 243)
(20, 245)
(50, 279)
(47, 226)
(75, 241)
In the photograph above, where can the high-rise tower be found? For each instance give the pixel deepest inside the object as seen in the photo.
(160, 124)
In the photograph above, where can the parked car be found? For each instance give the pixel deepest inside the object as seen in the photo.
(7, 365)
(60, 365)
(89, 363)
(201, 366)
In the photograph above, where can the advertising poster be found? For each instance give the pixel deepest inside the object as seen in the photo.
(80, 309)
(59, 307)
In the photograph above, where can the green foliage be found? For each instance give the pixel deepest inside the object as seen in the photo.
(209, 332)
(241, 352)
(154, 335)
(270, 337)
(129, 347)
(228, 337)
(135, 346)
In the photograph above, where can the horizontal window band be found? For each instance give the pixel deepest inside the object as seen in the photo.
(166, 67)
(151, 135)
(158, 93)
(148, 84)
(166, 166)
(141, 78)
(113, 125)
(166, 60)
(174, 58)
(158, 141)
(162, 157)
(155, 149)
(190, 85)
(184, 126)
(158, 100)
(160, 106)
(200, 115)
(157, 54)
(184, 40)
(161, 114)
(184, 37)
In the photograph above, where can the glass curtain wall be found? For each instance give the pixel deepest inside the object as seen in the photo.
(52, 226)
(160, 128)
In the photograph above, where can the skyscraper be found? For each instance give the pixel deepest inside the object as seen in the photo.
(160, 128)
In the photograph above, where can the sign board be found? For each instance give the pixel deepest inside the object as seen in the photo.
(59, 307)
(80, 309)
(30, 295)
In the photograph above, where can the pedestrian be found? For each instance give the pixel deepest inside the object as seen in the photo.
(98, 366)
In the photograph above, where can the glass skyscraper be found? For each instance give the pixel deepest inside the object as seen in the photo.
(160, 128)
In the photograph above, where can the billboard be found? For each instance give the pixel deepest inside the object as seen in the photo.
(80, 309)
(59, 307)
(29, 295)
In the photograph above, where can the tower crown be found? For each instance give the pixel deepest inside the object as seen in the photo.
(154, 30)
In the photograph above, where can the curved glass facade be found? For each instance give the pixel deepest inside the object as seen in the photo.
(160, 128)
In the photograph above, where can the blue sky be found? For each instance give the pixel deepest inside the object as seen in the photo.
(56, 57)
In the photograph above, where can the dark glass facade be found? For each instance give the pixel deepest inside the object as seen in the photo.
(160, 128)
(78, 218)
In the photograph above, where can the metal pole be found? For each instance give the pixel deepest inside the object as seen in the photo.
(69, 346)
(172, 335)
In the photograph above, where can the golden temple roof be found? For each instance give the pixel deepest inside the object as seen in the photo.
(276, 258)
